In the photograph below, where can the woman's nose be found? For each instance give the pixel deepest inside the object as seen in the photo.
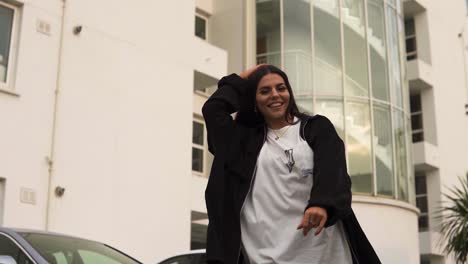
(274, 92)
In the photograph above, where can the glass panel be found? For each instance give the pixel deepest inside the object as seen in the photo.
(423, 222)
(415, 103)
(409, 27)
(416, 121)
(421, 203)
(377, 45)
(421, 187)
(356, 79)
(333, 109)
(401, 155)
(394, 57)
(198, 135)
(411, 187)
(197, 160)
(418, 137)
(305, 104)
(297, 45)
(268, 32)
(410, 45)
(46, 244)
(404, 87)
(93, 257)
(6, 24)
(327, 45)
(200, 27)
(359, 146)
(383, 150)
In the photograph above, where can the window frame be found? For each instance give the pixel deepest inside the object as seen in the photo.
(8, 86)
(7, 236)
(424, 196)
(412, 55)
(205, 18)
(203, 148)
(413, 114)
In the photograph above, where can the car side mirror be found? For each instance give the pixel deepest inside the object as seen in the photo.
(7, 260)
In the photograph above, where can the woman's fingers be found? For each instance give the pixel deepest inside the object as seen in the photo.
(314, 217)
(321, 226)
(245, 74)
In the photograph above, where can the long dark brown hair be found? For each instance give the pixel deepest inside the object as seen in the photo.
(248, 114)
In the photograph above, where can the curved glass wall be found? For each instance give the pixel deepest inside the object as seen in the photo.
(345, 60)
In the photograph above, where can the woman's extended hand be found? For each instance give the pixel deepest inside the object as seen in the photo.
(313, 217)
(245, 74)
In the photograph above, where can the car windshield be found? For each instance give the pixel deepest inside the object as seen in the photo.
(58, 249)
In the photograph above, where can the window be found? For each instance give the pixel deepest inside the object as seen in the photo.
(9, 248)
(196, 258)
(8, 14)
(421, 202)
(198, 150)
(410, 31)
(416, 118)
(201, 157)
(200, 26)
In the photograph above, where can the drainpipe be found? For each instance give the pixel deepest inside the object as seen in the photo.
(461, 36)
(58, 83)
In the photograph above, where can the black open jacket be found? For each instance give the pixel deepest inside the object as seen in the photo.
(236, 144)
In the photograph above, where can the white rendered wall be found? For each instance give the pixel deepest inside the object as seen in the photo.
(26, 118)
(391, 227)
(446, 19)
(123, 145)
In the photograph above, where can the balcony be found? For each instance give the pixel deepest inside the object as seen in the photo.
(419, 75)
(429, 243)
(426, 157)
(414, 7)
(208, 59)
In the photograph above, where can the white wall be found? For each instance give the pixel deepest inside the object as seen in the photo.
(449, 83)
(124, 118)
(391, 227)
(227, 31)
(446, 19)
(26, 118)
(124, 126)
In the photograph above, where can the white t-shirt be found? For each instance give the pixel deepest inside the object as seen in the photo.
(275, 205)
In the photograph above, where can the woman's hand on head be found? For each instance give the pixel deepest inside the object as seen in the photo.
(314, 217)
(245, 74)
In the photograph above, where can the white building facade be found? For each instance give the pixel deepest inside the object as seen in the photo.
(100, 106)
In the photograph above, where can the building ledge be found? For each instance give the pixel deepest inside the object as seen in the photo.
(425, 156)
(419, 75)
(414, 7)
(209, 59)
(429, 243)
(367, 199)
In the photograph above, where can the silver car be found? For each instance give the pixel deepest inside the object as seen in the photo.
(20, 246)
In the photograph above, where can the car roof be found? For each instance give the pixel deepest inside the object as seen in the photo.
(18, 231)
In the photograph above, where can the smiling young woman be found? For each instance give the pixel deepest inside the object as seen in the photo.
(277, 174)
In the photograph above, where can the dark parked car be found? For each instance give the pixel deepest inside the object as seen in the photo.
(20, 246)
(191, 257)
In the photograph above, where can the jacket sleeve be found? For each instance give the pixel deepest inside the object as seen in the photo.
(332, 185)
(218, 109)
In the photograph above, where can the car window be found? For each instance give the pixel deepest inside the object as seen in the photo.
(58, 249)
(186, 259)
(9, 248)
(93, 257)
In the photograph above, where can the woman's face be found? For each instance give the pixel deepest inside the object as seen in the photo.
(272, 98)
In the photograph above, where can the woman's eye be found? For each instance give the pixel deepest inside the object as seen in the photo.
(264, 91)
(281, 88)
